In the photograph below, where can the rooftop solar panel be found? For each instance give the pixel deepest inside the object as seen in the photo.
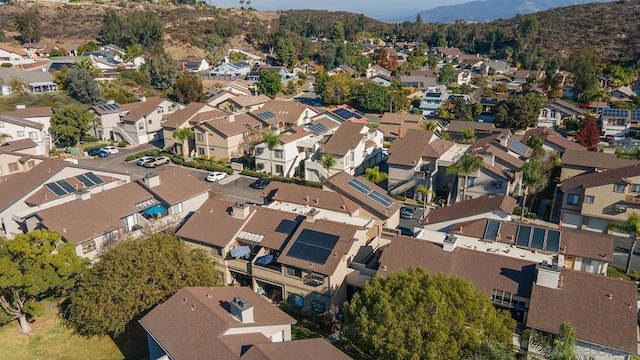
(359, 186)
(93, 177)
(518, 147)
(313, 246)
(537, 240)
(491, 232)
(522, 238)
(85, 180)
(553, 241)
(381, 199)
(56, 189)
(66, 186)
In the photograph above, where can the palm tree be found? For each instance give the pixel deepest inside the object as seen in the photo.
(375, 175)
(271, 140)
(533, 180)
(84, 63)
(466, 165)
(429, 125)
(556, 347)
(327, 162)
(424, 191)
(632, 227)
(183, 134)
(469, 135)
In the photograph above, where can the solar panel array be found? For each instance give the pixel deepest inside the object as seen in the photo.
(313, 246)
(265, 115)
(518, 147)
(348, 113)
(492, 230)
(62, 187)
(618, 113)
(374, 195)
(317, 128)
(537, 238)
(433, 95)
(109, 107)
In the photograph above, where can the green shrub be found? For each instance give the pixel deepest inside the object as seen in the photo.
(90, 138)
(122, 144)
(252, 173)
(151, 152)
(518, 210)
(399, 197)
(6, 65)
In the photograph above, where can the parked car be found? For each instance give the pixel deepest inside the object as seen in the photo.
(261, 183)
(407, 212)
(156, 161)
(216, 176)
(110, 149)
(405, 231)
(143, 160)
(97, 152)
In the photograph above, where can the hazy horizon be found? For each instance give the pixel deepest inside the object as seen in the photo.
(397, 10)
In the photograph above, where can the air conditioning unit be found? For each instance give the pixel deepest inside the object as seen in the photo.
(620, 208)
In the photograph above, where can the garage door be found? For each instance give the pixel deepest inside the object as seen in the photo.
(571, 221)
(597, 225)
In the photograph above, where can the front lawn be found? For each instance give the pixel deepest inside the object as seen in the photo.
(49, 340)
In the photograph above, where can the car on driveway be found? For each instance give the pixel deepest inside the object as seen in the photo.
(216, 176)
(97, 152)
(110, 149)
(407, 212)
(157, 161)
(260, 183)
(143, 160)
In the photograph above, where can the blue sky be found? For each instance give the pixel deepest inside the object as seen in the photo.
(390, 10)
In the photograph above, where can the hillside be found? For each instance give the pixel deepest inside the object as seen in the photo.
(488, 10)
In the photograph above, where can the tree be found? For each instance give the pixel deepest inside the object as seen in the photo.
(589, 134)
(214, 45)
(183, 134)
(466, 165)
(28, 25)
(337, 31)
(270, 83)
(132, 277)
(112, 29)
(375, 175)
(425, 192)
(327, 162)
(533, 180)
(161, 71)
(286, 52)
(631, 227)
(338, 89)
(272, 141)
(373, 98)
(429, 125)
(469, 135)
(18, 86)
(587, 69)
(555, 347)
(447, 74)
(34, 267)
(85, 64)
(82, 86)
(518, 112)
(188, 88)
(388, 59)
(536, 144)
(88, 47)
(414, 315)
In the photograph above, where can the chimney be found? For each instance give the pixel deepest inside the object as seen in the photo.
(489, 159)
(110, 102)
(242, 309)
(449, 243)
(306, 198)
(610, 296)
(399, 132)
(311, 215)
(560, 282)
(143, 99)
(241, 211)
(83, 194)
(231, 117)
(548, 276)
(151, 180)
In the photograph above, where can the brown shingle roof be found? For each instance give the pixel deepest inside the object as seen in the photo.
(391, 130)
(346, 137)
(553, 137)
(11, 48)
(400, 118)
(177, 184)
(21, 122)
(307, 349)
(314, 197)
(596, 160)
(601, 178)
(477, 206)
(32, 112)
(408, 150)
(288, 111)
(584, 301)
(276, 226)
(191, 323)
(17, 145)
(212, 224)
(457, 126)
(178, 118)
(138, 110)
(244, 101)
(437, 147)
(228, 128)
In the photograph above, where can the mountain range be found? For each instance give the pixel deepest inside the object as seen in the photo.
(488, 10)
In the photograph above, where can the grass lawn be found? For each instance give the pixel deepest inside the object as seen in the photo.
(49, 340)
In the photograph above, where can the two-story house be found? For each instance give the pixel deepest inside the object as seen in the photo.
(432, 99)
(485, 207)
(578, 162)
(554, 112)
(28, 123)
(226, 137)
(377, 70)
(394, 125)
(620, 123)
(194, 64)
(292, 113)
(14, 56)
(419, 82)
(354, 146)
(254, 75)
(464, 77)
(243, 104)
(552, 140)
(188, 117)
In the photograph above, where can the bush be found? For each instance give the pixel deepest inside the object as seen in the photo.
(122, 144)
(151, 152)
(256, 174)
(6, 65)
(259, 174)
(399, 197)
(90, 138)
(518, 210)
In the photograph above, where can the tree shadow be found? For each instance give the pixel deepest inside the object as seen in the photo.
(132, 342)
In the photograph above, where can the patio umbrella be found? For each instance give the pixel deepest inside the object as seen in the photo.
(240, 251)
(265, 260)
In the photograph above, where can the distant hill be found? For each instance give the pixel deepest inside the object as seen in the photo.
(488, 10)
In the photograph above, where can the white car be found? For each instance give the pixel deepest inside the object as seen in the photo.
(216, 176)
(110, 150)
(143, 160)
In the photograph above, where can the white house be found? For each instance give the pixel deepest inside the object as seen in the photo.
(432, 99)
(28, 123)
(14, 56)
(236, 69)
(464, 77)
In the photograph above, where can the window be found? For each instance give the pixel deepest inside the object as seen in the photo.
(294, 272)
(88, 247)
(619, 188)
(589, 199)
(200, 151)
(33, 135)
(141, 125)
(245, 134)
(1, 124)
(635, 188)
(471, 181)
(150, 121)
(573, 199)
(279, 154)
(31, 163)
(353, 155)
(20, 133)
(200, 137)
(279, 169)
(14, 167)
(160, 110)
(588, 265)
(259, 151)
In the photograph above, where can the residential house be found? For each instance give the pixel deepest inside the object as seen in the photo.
(420, 157)
(291, 113)
(522, 76)
(238, 69)
(381, 80)
(535, 293)
(93, 219)
(344, 69)
(227, 137)
(354, 146)
(489, 103)
(622, 93)
(218, 97)
(555, 112)
(226, 323)
(402, 58)
(432, 99)
(552, 140)
(295, 146)
(14, 56)
(34, 81)
(464, 77)
(448, 53)
(494, 207)
(191, 115)
(344, 113)
(419, 82)
(375, 70)
(492, 67)
(33, 49)
(26, 147)
(243, 104)
(254, 75)
(455, 128)
(470, 62)
(591, 201)
(394, 125)
(428, 73)
(28, 123)
(368, 49)
(578, 162)
(619, 123)
(194, 64)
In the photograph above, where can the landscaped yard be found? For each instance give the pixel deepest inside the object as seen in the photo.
(49, 340)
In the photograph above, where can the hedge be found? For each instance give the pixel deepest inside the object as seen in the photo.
(258, 174)
(151, 152)
(196, 163)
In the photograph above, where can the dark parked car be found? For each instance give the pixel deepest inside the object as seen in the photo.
(261, 183)
(405, 231)
(97, 152)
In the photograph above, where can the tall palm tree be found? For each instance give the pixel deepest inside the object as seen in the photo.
(327, 162)
(532, 179)
(84, 63)
(469, 135)
(375, 175)
(466, 165)
(632, 227)
(429, 125)
(424, 191)
(272, 141)
(183, 134)
(556, 347)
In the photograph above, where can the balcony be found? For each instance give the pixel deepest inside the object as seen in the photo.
(313, 280)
